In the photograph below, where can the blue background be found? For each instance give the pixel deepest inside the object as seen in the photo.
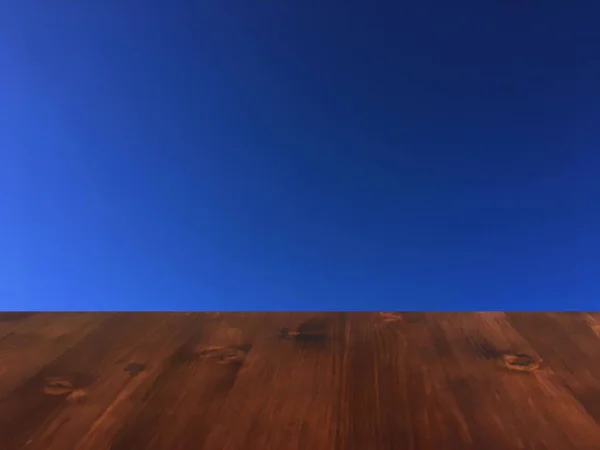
(305, 155)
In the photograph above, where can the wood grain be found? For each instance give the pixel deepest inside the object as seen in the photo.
(292, 381)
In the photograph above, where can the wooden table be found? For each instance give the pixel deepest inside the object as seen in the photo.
(286, 381)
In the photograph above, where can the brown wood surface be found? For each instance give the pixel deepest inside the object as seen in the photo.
(283, 381)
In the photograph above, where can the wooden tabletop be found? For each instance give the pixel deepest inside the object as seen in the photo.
(283, 381)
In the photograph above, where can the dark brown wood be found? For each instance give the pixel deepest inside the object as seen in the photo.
(317, 381)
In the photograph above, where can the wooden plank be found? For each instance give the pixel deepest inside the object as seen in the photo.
(285, 395)
(504, 407)
(83, 422)
(180, 408)
(9, 321)
(569, 344)
(121, 417)
(38, 399)
(433, 414)
(373, 383)
(300, 381)
(30, 341)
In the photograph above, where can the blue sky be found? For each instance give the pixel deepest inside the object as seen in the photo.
(299, 155)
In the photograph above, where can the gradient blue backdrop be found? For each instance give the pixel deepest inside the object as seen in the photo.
(299, 155)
